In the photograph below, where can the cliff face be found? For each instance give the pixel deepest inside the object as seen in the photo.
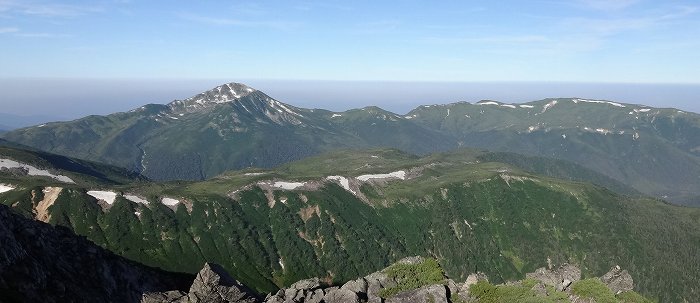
(413, 280)
(43, 263)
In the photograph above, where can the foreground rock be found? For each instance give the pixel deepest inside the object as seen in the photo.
(560, 278)
(212, 285)
(42, 263)
(618, 280)
(428, 282)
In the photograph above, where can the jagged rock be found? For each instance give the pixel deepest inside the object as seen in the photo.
(315, 297)
(375, 282)
(561, 278)
(308, 284)
(290, 294)
(276, 298)
(212, 285)
(428, 294)
(358, 286)
(618, 280)
(341, 296)
(452, 287)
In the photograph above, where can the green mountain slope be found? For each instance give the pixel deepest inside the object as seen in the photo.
(229, 127)
(652, 150)
(21, 164)
(655, 151)
(347, 214)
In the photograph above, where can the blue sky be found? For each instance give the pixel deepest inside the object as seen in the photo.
(67, 59)
(582, 41)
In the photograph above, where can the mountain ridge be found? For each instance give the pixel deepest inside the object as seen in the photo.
(347, 214)
(654, 150)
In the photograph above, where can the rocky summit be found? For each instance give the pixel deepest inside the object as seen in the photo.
(416, 279)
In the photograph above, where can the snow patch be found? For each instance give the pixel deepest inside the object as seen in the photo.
(253, 174)
(548, 106)
(336, 115)
(107, 196)
(642, 110)
(136, 199)
(526, 106)
(33, 171)
(603, 131)
(393, 175)
(496, 103)
(169, 201)
(6, 188)
(344, 182)
(598, 101)
(287, 185)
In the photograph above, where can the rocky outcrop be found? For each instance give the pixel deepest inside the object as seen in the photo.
(212, 285)
(618, 280)
(42, 263)
(560, 278)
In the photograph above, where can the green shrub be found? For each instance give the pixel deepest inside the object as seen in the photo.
(488, 293)
(413, 276)
(593, 288)
(632, 297)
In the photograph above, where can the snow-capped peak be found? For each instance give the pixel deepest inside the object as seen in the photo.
(220, 94)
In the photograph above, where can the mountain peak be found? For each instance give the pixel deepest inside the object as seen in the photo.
(221, 94)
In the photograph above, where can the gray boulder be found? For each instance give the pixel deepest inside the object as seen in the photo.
(341, 296)
(428, 294)
(560, 278)
(307, 284)
(618, 280)
(358, 286)
(212, 285)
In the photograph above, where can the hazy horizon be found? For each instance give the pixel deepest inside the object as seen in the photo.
(68, 59)
(67, 99)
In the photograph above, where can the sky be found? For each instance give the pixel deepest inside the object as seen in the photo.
(178, 48)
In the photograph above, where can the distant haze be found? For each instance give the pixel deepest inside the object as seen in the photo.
(65, 99)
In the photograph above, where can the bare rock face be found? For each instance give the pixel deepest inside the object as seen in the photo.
(341, 296)
(427, 294)
(212, 285)
(560, 278)
(618, 280)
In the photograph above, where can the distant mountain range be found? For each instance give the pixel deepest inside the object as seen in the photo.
(655, 151)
